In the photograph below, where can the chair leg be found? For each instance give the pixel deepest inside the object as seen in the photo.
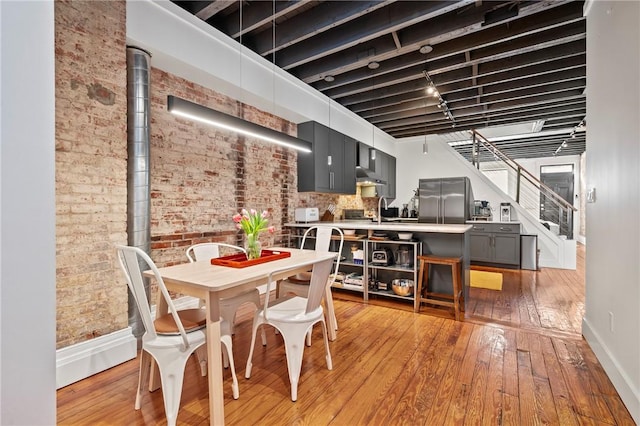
(256, 323)
(172, 377)
(294, 349)
(326, 346)
(308, 339)
(143, 376)
(228, 346)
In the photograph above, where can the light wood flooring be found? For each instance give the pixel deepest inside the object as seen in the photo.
(517, 359)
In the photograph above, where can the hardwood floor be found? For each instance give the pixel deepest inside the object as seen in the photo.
(518, 358)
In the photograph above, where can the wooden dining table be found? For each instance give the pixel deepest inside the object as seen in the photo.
(213, 282)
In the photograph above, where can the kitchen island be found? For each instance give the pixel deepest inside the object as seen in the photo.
(379, 247)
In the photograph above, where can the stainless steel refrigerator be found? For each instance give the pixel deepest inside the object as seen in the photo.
(445, 200)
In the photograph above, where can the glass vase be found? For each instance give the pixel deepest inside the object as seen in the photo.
(253, 246)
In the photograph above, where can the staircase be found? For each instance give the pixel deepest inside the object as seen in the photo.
(529, 198)
(535, 197)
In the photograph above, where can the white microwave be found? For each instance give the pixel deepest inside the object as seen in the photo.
(307, 214)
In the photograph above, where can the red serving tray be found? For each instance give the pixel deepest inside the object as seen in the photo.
(240, 260)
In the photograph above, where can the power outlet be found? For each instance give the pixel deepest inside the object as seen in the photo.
(611, 323)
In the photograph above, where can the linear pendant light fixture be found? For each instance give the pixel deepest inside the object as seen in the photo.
(202, 114)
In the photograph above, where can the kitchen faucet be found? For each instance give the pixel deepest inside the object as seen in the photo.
(379, 204)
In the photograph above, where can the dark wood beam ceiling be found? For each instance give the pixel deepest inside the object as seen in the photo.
(493, 62)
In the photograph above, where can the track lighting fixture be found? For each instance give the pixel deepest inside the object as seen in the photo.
(442, 104)
(572, 135)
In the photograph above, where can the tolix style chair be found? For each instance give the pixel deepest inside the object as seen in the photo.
(294, 317)
(299, 283)
(169, 339)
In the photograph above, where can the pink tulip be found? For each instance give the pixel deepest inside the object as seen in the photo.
(265, 214)
(237, 217)
(271, 229)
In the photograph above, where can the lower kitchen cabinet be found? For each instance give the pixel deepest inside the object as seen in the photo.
(495, 243)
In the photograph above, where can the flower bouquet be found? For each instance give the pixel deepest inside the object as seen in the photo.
(252, 223)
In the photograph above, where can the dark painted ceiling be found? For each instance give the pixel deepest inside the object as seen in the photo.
(493, 63)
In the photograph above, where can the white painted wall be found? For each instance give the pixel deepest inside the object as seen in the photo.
(613, 167)
(27, 214)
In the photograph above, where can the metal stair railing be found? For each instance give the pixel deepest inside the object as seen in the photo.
(527, 190)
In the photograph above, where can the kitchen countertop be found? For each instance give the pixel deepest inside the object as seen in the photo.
(390, 226)
(497, 222)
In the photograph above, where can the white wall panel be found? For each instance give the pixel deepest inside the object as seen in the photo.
(613, 221)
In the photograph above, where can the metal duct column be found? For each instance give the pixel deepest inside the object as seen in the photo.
(138, 164)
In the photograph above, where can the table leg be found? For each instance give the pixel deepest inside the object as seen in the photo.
(331, 315)
(214, 364)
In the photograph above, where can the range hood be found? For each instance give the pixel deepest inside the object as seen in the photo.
(364, 174)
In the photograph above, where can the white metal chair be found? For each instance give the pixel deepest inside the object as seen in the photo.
(294, 317)
(299, 284)
(204, 252)
(171, 338)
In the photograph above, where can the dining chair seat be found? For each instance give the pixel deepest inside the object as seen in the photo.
(192, 319)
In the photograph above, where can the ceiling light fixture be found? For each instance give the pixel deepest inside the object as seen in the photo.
(329, 78)
(202, 114)
(581, 126)
(373, 65)
(442, 104)
(426, 49)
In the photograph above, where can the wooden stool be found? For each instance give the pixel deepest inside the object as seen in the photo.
(456, 301)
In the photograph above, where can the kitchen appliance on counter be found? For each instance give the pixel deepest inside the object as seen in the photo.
(404, 256)
(382, 256)
(481, 210)
(505, 212)
(389, 212)
(445, 200)
(307, 214)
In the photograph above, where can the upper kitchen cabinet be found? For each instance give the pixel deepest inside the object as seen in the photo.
(331, 167)
(385, 166)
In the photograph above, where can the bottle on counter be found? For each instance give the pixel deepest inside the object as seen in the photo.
(405, 210)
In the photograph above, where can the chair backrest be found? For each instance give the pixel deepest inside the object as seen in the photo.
(132, 261)
(323, 241)
(319, 278)
(207, 251)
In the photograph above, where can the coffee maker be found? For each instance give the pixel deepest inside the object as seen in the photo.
(481, 210)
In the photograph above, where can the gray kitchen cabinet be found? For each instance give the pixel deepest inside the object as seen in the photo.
(331, 167)
(495, 243)
(385, 166)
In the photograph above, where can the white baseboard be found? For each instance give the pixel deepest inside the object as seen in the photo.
(79, 361)
(625, 388)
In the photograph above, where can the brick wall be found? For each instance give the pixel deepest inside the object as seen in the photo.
(91, 170)
(200, 176)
